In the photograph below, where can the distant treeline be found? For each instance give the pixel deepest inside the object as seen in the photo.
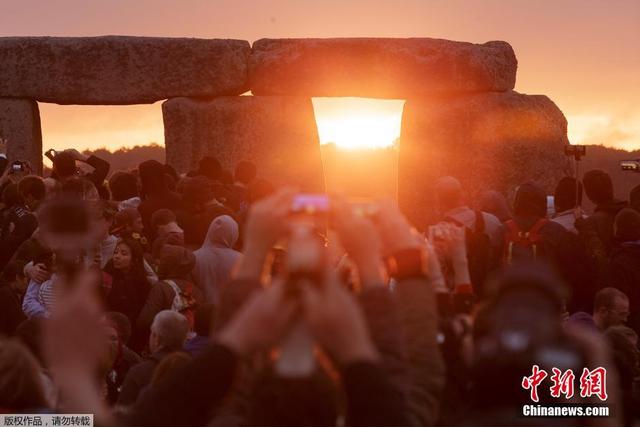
(130, 158)
(373, 173)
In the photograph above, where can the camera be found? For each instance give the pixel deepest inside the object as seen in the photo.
(520, 327)
(50, 154)
(575, 151)
(630, 165)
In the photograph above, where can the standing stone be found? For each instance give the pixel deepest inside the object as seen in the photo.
(378, 67)
(20, 129)
(489, 141)
(120, 69)
(278, 134)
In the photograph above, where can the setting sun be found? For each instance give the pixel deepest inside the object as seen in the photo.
(358, 123)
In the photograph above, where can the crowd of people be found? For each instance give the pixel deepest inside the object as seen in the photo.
(146, 297)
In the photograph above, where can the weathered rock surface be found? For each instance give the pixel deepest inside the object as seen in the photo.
(120, 69)
(378, 67)
(20, 128)
(278, 134)
(489, 141)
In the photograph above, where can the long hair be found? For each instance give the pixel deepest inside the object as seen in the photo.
(137, 258)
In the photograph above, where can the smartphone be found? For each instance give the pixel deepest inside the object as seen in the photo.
(17, 167)
(310, 204)
(630, 165)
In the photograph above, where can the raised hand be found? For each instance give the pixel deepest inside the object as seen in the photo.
(266, 223)
(76, 346)
(360, 239)
(337, 322)
(261, 322)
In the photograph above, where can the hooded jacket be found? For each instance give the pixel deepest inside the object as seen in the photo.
(216, 258)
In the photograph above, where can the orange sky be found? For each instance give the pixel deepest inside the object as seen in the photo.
(584, 54)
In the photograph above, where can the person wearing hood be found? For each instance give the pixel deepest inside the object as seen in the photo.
(156, 193)
(216, 258)
(599, 189)
(624, 262)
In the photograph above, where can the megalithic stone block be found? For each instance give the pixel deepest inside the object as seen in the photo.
(379, 67)
(20, 129)
(278, 134)
(489, 141)
(120, 69)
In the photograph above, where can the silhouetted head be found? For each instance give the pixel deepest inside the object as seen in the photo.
(123, 186)
(448, 192)
(210, 167)
(495, 203)
(175, 262)
(598, 186)
(197, 191)
(64, 165)
(245, 172)
(152, 177)
(530, 201)
(568, 194)
(626, 227)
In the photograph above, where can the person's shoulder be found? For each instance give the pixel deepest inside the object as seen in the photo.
(491, 219)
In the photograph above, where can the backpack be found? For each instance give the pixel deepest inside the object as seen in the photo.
(183, 301)
(479, 250)
(523, 244)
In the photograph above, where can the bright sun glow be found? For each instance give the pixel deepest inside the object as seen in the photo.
(357, 123)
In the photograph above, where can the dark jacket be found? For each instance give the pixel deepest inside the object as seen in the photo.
(128, 292)
(603, 218)
(624, 273)
(11, 314)
(138, 377)
(19, 225)
(160, 297)
(156, 194)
